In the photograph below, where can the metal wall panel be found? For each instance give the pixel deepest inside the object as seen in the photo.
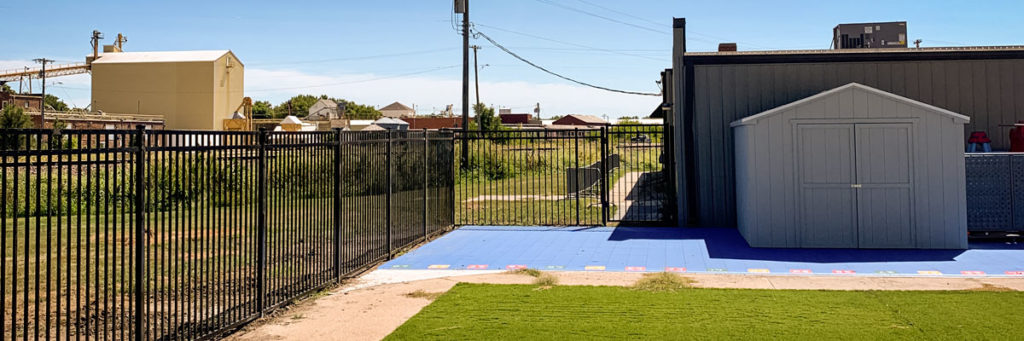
(991, 92)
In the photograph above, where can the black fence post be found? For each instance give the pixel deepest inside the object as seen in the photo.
(261, 223)
(576, 171)
(604, 176)
(426, 183)
(387, 195)
(140, 232)
(451, 187)
(337, 204)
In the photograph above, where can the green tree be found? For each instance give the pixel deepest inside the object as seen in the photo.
(299, 106)
(13, 117)
(356, 111)
(485, 118)
(262, 109)
(53, 102)
(6, 88)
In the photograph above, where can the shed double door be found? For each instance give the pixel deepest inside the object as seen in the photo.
(855, 185)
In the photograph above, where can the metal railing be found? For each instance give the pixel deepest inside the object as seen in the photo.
(995, 192)
(563, 177)
(141, 234)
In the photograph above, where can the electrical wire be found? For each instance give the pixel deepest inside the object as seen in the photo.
(569, 43)
(360, 81)
(621, 12)
(420, 52)
(524, 60)
(689, 32)
(603, 17)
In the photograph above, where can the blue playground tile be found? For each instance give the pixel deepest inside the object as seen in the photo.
(712, 250)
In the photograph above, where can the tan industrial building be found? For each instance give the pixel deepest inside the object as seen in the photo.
(189, 89)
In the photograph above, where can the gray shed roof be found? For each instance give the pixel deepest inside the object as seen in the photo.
(754, 118)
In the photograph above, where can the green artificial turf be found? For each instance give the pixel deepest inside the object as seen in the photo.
(524, 312)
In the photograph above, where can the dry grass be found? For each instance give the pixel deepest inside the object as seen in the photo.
(423, 294)
(662, 282)
(529, 272)
(991, 288)
(546, 280)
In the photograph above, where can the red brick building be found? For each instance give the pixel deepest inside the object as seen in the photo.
(29, 102)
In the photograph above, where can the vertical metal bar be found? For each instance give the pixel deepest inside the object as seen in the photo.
(604, 176)
(426, 182)
(140, 230)
(261, 223)
(387, 196)
(576, 171)
(452, 186)
(337, 204)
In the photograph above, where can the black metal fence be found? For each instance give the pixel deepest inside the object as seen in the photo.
(563, 177)
(181, 235)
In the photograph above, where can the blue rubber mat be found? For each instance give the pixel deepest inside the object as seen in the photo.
(701, 250)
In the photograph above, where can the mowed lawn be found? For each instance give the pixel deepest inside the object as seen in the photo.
(527, 312)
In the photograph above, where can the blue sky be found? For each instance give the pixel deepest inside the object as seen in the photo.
(292, 47)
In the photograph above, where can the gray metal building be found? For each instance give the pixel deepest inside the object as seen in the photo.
(713, 89)
(852, 167)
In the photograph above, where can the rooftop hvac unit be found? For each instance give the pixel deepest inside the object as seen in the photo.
(870, 35)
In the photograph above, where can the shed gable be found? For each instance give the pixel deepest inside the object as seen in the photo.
(858, 92)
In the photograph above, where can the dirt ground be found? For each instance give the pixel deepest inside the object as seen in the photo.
(373, 306)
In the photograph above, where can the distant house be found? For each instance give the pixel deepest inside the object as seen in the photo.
(391, 123)
(397, 110)
(324, 110)
(580, 120)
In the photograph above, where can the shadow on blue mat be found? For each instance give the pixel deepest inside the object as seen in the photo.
(726, 243)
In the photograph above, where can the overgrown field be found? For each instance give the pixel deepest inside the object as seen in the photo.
(524, 181)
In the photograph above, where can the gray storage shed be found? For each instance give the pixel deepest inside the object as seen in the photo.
(852, 167)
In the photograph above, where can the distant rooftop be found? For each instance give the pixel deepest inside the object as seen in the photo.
(161, 56)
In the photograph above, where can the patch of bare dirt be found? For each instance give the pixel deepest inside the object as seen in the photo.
(361, 312)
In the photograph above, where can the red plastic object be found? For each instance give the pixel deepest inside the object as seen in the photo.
(978, 137)
(1017, 139)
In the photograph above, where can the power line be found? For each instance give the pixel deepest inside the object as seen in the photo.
(603, 17)
(499, 46)
(622, 13)
(569, 43)
(356, 58)
(362, 80)
(689, 32)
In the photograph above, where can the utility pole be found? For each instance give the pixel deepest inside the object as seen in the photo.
(42, 106)
(476, 74)
(465, 77)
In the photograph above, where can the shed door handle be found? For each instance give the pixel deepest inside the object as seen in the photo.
(856, 186)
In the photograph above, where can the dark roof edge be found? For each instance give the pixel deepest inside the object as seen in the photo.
(849, 57)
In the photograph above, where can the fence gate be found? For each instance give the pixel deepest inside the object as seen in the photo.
(580, 177)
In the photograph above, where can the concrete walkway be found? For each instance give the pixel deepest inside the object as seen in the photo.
(690, 250)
